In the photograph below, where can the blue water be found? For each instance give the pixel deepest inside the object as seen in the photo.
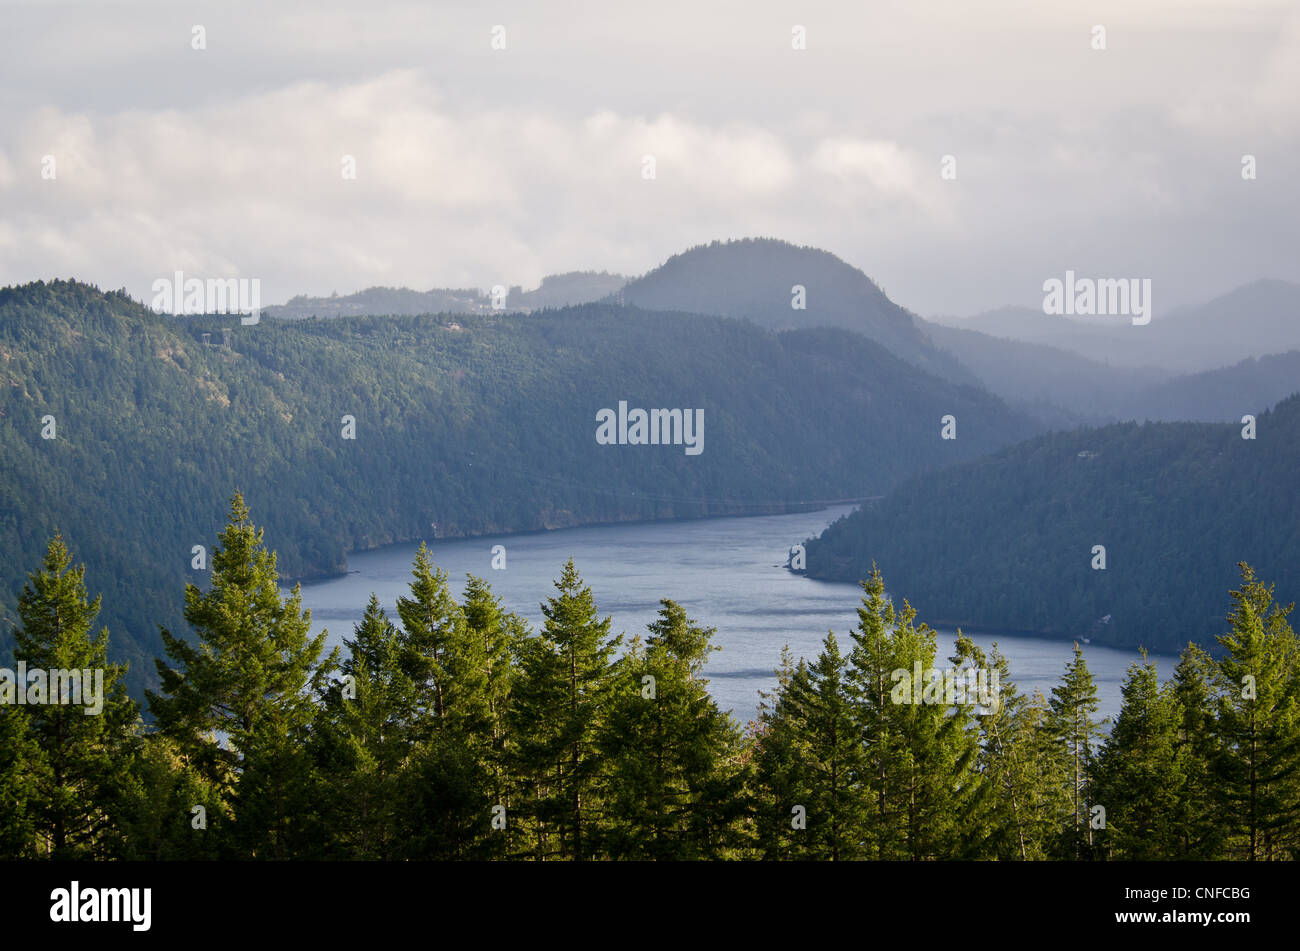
(727, 573)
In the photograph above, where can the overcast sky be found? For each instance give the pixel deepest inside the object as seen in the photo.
(477, 166)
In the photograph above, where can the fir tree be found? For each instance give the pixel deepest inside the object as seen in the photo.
(81, 757)
(674, 782)
(1258, 758)
(566, 679)
(1200, 831)
(239, 702)
(363, 739)
(921, 751)
(1140, 771)
(435, 650)
(1009, 821)
(19, 756)
(1074, 734)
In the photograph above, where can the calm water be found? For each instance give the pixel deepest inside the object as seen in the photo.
(727, 574)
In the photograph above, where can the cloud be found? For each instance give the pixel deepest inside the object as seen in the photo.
(475, 168)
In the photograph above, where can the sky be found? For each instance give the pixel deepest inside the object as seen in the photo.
(477, 166)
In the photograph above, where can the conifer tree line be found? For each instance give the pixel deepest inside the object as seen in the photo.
(454, 731)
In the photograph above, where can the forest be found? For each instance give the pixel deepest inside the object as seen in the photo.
(1009, 542)
(127, 431)
(452, 731)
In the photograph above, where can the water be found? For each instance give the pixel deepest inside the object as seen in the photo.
(727, 573)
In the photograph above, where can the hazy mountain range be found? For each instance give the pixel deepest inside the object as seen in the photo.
(814, 386)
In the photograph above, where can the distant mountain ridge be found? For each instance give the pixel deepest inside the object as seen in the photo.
(1067, 390)
(556, 290)
(1254, 320)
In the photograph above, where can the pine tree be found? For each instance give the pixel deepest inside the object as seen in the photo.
(81, 756)
(566, 679)
(462, 673)
(438, 654)
(1257, 763)
(1201, 833)
(1010, 822)
(1140, 771)
(1073, 734)
(363, 739)
(820, 759)
(777, 775)
(674, 784)
(240, 702)
(171, 812)
(921, 751)
(500, 633)
(19, 756)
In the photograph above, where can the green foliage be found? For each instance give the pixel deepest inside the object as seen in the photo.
(1072, 735)
(478, 423)
(239, 703)
(1257, 762)
(79, 755)
(1176, 506)
(673, 776)
(1141, 772)
(460, 734)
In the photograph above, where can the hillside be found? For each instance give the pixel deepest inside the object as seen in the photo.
(753, 279)
(478, 424)
(1005, 543)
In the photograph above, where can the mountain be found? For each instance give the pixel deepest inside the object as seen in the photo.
(556, 290)
(755, 278)
(1060, 386)
(1007, 542)
(1066, 390)
(1223, 395)
(1255, 320)
(477, 424)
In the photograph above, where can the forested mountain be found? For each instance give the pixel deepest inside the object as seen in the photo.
(1066, 389)
(556, 290)
(1007, 542)
(472, 424)
(755, 278)
(1058, 385)
(1254, 320)
(1223, 395)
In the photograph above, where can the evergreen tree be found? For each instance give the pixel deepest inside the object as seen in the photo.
(363, 740)
(81, 756)
(1140, 771)
(438, 655)
(1201, 833)
(674, 783)
(171, 812)
(1012, 821)
(239, 703)
(19, 756)
(1073, 735)
(921, 749)
(566, 679)
(500, 635)
(462, 675)
(1258, 754)
(820, 759)
(777, 772)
